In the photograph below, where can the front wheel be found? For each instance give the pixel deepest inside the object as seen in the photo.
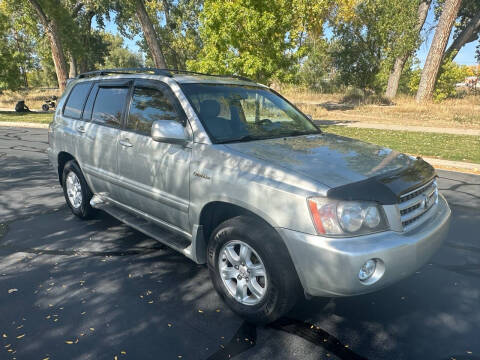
(251, 269)
(76, 191)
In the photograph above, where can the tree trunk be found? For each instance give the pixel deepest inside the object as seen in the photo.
(394, 78)
(166, 10)
(50, 27)
(72, 63)
(150, 36)
(467, 35)
(85, 39)
(435, 54)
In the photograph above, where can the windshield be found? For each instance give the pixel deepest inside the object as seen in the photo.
(241, 113)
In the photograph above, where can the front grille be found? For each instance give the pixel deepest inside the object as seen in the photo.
(415, 204)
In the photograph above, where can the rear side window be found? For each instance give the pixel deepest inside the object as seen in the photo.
(149, 105)
(74, 106)
(109, 105)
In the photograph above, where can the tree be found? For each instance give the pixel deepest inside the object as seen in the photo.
(117, 56)
(51, 29)
(396, 72)
(315, 71)
(261, 39)
(437, 48)
(366, 45)
(150, 35)
(177, 26)
(10, 75)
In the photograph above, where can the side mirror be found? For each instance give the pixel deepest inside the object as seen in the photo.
(169, 131)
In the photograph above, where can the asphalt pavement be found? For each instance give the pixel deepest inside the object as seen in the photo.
(97, 289)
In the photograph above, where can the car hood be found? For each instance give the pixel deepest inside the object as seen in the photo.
(330, 159)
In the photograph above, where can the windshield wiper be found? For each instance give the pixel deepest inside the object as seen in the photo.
(239, 139)
(300, 133)
(251, 138)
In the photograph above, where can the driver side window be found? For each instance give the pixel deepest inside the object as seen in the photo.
(149, 105)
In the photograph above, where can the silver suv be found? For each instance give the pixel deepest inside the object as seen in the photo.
(231, 174)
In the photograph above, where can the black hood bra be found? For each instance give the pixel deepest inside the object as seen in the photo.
(386, 188)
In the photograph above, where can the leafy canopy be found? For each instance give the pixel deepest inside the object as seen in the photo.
(261, 39)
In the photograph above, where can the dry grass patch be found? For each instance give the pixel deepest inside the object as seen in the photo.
(34, 98)
(451, 113)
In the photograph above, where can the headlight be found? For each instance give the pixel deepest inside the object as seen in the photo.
(350, 218)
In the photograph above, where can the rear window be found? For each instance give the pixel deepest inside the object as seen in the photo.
(74, 106)
(109, 105)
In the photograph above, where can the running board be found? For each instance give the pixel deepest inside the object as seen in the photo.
(178, 240)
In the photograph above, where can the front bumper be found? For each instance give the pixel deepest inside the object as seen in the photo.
(330, 266)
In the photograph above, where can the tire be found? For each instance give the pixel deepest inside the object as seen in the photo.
(45, 107)
(80, 203)
(280, 285)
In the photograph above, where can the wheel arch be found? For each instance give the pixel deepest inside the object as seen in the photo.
(213, 214)
(62, 158)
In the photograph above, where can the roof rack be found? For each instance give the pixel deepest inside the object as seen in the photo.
(154, 71)
(199, 73)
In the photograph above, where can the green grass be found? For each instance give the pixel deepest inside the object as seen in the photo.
(441, 146)
(32, 117)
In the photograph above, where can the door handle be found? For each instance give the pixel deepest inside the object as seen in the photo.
(126, 143)
(81, 129)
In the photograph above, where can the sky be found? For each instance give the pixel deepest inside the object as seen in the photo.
(466, 55)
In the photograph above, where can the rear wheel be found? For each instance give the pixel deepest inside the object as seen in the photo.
(251, 269)
(76, 191)
(45, 107)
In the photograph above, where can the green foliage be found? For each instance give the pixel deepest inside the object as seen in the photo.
(450, 74)
(315, 71)
(117, 56)
(10, 76)
(260, 39)
(367, 45)
(414, 81)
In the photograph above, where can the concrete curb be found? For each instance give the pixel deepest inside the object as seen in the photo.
(24, 124)
(458, 166)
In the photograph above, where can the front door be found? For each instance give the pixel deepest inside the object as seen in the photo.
(154, 175)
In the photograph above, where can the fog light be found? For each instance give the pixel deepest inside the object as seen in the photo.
(367, 270)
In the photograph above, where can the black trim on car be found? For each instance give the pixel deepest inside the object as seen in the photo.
(387, 188)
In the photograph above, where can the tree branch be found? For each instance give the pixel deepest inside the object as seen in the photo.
(467, 35)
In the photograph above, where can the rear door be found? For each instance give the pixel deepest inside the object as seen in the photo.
(154, 175)
(73, 124)
(103, 115)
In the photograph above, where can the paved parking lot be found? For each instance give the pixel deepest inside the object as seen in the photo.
(72, 289)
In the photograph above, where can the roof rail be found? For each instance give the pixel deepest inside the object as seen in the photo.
(199, 73)
(155, 71)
